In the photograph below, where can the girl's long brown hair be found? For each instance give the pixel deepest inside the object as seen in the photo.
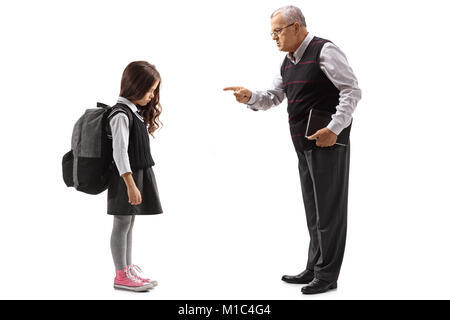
(137, 78)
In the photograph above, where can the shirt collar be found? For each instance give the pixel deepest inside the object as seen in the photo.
(298, 54)
(130, 104)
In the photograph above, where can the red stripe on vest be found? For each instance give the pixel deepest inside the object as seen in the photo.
(292, 101)
(304, 62)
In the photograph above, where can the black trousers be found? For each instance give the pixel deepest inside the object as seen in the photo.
(324, 176)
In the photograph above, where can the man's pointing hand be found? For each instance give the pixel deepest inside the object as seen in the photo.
(242, 94)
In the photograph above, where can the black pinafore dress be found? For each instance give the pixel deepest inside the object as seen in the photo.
(141, 165)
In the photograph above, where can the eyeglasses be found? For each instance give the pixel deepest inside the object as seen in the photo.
(276, 32)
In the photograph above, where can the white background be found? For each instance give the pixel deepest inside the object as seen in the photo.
(228, 180)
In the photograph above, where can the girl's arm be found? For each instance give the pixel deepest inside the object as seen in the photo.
(134, 195)
(120, 133)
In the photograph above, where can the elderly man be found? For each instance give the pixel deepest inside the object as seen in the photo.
(314, 75)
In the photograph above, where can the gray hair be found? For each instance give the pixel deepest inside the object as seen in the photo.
(291, 14)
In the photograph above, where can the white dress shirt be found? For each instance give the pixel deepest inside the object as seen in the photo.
(335, 66)
(120, 133)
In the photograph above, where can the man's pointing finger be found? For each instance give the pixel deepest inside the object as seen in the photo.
(232, 88)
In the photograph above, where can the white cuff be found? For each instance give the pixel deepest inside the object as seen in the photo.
(252, 99)
(335, 127)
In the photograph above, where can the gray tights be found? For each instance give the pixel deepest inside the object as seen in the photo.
(121, 241)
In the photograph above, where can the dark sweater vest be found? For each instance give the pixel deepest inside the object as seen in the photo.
(139, 142)
(306, 88)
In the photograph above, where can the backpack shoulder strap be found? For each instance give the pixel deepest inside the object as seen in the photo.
(121, 108)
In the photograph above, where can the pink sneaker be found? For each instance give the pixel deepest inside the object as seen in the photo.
(126, 280)
(134, 269)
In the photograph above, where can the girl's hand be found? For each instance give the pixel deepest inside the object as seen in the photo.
(134, 196)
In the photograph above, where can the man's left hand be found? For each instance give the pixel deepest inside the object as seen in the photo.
(324, 137)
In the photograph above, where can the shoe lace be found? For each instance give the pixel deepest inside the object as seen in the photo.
(131, 276)
(134, 270)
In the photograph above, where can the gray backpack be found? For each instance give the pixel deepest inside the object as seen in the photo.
(88, 165)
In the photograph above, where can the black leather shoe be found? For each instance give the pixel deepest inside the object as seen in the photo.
(319, 286)
(303, 278)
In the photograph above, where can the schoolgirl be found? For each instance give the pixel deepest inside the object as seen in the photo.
(133, 190)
